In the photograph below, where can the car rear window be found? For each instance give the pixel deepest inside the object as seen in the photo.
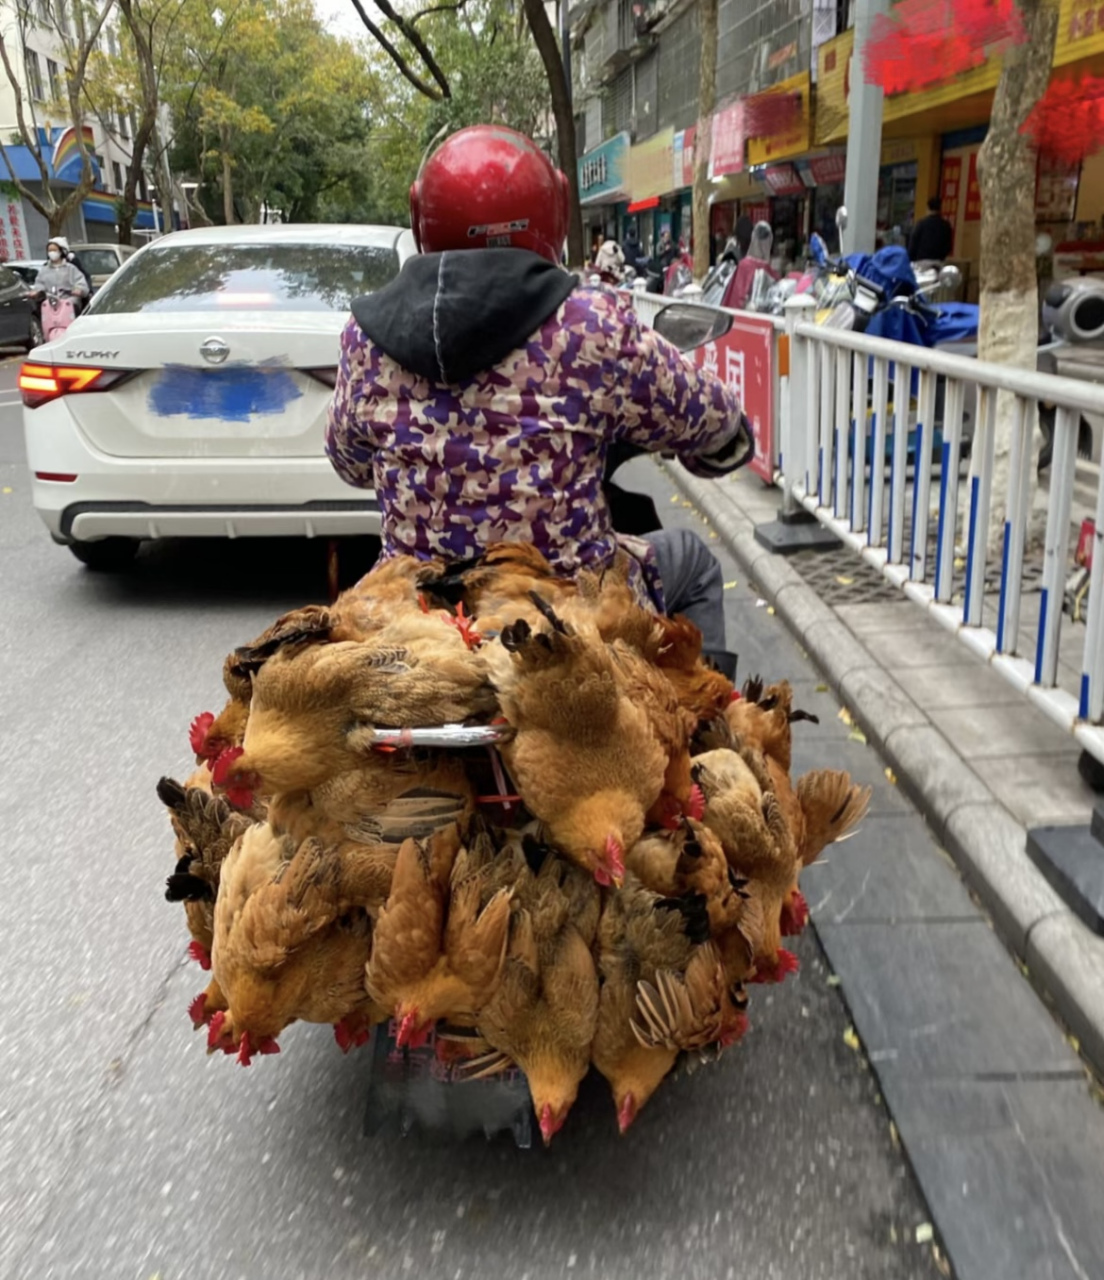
(98, 262)
(247, 277)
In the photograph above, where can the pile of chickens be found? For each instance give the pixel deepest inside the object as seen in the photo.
(598, 887)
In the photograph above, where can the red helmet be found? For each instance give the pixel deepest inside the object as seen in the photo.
(489, 187)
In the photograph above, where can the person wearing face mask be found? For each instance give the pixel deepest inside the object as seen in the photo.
(60, 273)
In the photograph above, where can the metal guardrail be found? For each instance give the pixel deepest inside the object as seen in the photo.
(843, 458)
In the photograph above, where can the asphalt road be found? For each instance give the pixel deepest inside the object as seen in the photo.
(125, 1152)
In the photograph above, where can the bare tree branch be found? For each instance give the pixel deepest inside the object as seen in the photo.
(438, 8)
(397, 58)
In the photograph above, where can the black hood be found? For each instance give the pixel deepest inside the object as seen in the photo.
(447, 316)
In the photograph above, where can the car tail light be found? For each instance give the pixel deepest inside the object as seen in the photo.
(327, 376)
(58, 477)
(39, 383)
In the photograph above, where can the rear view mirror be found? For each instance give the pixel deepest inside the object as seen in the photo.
(689, 326)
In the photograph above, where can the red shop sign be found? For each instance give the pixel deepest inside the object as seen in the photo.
(784, 180)
(744, 359)
(827, 170)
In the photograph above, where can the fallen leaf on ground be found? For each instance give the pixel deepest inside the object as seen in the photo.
(925, 1233)
(857, 735)
(942, 1263)
(770, 609)
(1074, 1043)
(845, 582)
(894, 1136)
(712, 537)
(959, 562)
(729, 585)
(833, 979)
(891, 776)
(851, 1039)
(674, 498)
(822, 688)
(7, 489)
(845, 716)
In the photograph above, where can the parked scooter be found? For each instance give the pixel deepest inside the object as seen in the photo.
(59, 310)
(1071, 344)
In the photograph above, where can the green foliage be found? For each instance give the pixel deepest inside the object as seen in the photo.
(495, 76)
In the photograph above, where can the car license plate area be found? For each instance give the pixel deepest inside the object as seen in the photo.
(234, 395)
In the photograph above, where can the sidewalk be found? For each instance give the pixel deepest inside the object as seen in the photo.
(993, 1105)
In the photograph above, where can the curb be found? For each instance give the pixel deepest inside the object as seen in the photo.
(988, 845)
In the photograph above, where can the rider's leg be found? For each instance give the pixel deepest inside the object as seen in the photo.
(693, 585)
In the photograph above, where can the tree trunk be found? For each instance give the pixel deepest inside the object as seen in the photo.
(707, 102)
(548, 48)
(1008, 328)
(126, 214)
(227, 183)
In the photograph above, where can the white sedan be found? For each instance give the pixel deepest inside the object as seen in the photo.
(190, 399)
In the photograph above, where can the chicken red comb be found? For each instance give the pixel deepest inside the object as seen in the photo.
(197, 1010)
(197, 733)
(695, 806)
(221, 771)
(199, 953)
(795, 914)
(214, 1029)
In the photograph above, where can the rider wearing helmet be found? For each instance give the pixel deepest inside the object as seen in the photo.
(478, 393)
(60, 272)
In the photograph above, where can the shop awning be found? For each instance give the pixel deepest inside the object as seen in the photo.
(638, 206)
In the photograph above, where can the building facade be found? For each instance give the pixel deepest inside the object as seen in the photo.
(779, 133)
(36, 34)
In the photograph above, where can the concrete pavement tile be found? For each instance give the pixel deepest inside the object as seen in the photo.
(836, 650)
(931, 771)
(879, 702)
(1010, 729)
(1068, 961)
(1012, 1171)
(866, 618)
(928, 644)
(889, 870)
(1037, 790)
(943, 1001)
(956, 686)
(989, 846)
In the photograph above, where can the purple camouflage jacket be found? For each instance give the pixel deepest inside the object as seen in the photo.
(513, 450)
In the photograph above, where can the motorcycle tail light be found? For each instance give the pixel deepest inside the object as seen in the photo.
(39, 383)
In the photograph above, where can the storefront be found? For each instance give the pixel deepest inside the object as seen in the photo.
(603, 185)
(651, 167)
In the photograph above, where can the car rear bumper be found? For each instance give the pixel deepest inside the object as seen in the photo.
(88, 521)
(196, 497)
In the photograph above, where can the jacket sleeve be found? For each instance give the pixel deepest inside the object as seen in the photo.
(662, 402)
(347, 443)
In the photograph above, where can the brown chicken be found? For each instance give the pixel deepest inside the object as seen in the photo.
(758, 845)
(692, 860)
(643, 935)
(583, 754)
(824, 805)
(206, 828)
(672, 645)
(496, 588)
(292, 937)
(544, 1012)
(313, 711)
(389, 798)
(440, 940)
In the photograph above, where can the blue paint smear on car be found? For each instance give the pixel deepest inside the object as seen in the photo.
(233, 394)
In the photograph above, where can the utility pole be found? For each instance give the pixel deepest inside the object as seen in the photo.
(864, 138)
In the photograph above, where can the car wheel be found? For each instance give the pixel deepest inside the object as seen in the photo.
(36, 337)
(107, 555)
